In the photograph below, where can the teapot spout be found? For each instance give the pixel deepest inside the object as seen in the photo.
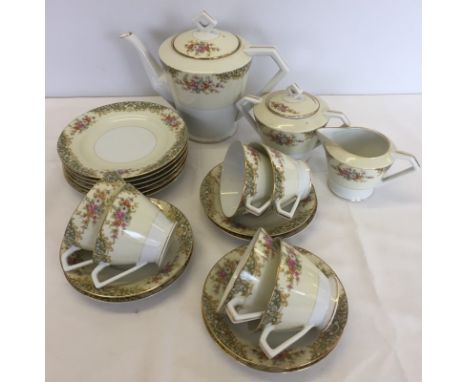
(153, 69)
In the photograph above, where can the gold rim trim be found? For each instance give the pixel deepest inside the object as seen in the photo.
(296, 357)
(81, 278)
(205, 58)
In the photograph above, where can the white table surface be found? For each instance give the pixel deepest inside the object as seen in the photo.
(374, 247)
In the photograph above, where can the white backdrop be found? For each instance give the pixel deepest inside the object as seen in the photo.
(331, 46)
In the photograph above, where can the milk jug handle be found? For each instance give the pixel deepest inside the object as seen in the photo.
(414, 165)
(271, 52)
(245, 104)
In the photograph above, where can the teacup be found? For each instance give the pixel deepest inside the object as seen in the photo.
(292, 180)
(253, 280)
(83, 227)
(246, 183)
(134, 232)
(303, 298)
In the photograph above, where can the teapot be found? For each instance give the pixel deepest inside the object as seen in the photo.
(206, 70)
(358, 159)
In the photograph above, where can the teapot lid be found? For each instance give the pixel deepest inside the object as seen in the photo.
(204, 48)
(292, 103)
(205, 42)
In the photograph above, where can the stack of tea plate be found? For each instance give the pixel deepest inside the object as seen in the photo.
(145, 142)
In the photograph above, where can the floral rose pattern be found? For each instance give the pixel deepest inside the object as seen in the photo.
(351, 174)
(121, 214)
(251, 170)
(222, 274)
(206, 84)
(281, 138)
(200, 48)
(279, 106)
(81, 124)
(199, 84)
(171, 120)
(290, 267)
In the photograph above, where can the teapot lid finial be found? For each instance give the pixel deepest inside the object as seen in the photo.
(205, 23)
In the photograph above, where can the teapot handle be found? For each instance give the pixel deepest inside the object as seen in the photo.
(339, 115)
(245, 104)
(257, 50)
(414, 165)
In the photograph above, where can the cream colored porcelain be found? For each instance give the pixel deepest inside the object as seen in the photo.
(292, 180)
(246, 183)
(135, 232)
(303, 298)
(252, 282)
(287, 120)
(358, 159)
(206, 71)
(83, 228)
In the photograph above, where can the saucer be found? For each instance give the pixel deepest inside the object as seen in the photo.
(146, 281)
(240, 341)
(133, 138)
(244, 227)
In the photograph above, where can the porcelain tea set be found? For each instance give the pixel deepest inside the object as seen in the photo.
(121, 245)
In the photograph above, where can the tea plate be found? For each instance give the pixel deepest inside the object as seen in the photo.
(146, 281)
(158, 177)
(136, 179)
(245, 226)
(133, 138)
(240, 341)
(146, 189)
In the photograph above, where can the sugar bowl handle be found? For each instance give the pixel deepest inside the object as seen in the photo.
(269, 51)
(414, 165)
(339, 115)
(273, 352)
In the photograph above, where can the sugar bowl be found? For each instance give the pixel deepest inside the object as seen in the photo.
(287, 120)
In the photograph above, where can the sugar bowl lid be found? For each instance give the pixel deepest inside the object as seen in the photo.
(292, 110)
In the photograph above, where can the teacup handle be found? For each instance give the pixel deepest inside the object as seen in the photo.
(339, 115)
(70, 267)
(245, 104)
(257, 211)
(273, 352)
(414, 165)
(288, 214)
(238, 317)
(99, 284)
(270, 51)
